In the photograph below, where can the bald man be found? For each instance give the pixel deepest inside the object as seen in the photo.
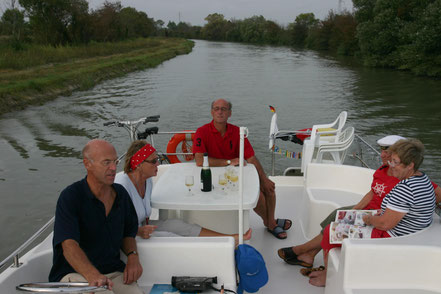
(221, 141)
(94, 220)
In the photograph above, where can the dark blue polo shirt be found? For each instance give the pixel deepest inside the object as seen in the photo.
(82, 217)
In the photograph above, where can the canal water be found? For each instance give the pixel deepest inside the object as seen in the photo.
(41, 146)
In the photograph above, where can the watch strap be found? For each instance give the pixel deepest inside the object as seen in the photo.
(132, 252)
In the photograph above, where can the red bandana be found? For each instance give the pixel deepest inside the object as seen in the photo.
(141, 155)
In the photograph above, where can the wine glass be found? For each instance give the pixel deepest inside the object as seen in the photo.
(189, 182)
(234, 178)
(223, 182)
(228, 171)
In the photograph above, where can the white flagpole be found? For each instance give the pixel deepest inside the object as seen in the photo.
(241, 159)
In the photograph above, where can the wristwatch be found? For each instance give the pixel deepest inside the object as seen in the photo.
(132, 252)
(228, 162)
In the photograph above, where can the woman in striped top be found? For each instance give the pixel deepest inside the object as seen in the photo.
(409, 206)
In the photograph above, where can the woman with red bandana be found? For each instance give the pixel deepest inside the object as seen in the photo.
(140, 166)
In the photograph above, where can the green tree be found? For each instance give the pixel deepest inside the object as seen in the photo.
(13, 23)
(135, 23)
(422, 53)
(106, 25)
(79, 27)
(233, 31)
(343, 38)
(272, 33)
(50, 19)
(216, 27)
(388, 30)
(299, 30)
(253, 29)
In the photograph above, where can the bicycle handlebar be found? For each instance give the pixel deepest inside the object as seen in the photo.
(154, 118)
(108, 123)
(147, 132)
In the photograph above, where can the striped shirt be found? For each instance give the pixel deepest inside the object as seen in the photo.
(416, 198)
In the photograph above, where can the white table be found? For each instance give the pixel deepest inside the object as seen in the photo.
(214, 210)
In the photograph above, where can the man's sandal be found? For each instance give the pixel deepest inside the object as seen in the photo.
(277, 231)
(288, 255)
(307, 271)
(284, 223)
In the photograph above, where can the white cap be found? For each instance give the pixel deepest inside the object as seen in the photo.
(389, 140)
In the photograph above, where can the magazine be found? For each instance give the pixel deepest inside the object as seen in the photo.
(350, 224)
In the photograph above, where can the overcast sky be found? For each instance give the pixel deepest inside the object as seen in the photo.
(194, 11)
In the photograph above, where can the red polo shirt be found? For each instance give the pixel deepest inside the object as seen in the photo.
(208, 139)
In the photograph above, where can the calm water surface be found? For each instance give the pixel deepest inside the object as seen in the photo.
(40, 147)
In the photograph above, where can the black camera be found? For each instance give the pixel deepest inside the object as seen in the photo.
(193, 284)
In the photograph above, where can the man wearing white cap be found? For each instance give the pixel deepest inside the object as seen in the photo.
(382, 183)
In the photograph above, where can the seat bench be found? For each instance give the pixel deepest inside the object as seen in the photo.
(164, 257)
(327, 187)
(408, 264)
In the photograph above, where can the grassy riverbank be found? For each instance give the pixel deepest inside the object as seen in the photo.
(36, 75)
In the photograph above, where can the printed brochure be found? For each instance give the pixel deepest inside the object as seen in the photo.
(349, 224)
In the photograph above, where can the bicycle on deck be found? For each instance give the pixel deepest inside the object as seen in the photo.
(182, 139)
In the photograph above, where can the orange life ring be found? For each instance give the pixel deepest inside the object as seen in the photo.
(186, 147)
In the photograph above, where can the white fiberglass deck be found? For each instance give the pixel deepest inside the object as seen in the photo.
(407, 264)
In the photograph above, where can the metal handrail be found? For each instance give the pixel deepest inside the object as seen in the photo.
(15, 254)
(367, 144)
(354, 155)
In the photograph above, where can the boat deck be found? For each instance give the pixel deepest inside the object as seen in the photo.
(407, 264)
(283, 278)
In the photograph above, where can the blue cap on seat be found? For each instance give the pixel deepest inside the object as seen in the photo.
(251, 267)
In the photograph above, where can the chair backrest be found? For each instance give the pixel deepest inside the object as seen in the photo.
(330, 135)
(319, 136)
(339, 149)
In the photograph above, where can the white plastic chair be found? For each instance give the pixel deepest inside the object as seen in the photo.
(339, 149)
(322, 134)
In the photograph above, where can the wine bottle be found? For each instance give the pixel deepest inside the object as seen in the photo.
(206, 175)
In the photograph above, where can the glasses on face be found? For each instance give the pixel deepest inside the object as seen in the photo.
(153, 161)
(393, 163)
(383, 148)
(108, 162)
(217, 108)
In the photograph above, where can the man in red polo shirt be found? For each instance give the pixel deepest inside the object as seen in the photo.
(221, 141)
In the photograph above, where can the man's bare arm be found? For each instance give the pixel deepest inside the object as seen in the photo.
(133, 269)
(199, 158)
(76, 257)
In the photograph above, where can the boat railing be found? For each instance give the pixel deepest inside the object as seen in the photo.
(15, 255)
(173, 133)
(356, 155)
(133, 129)
(359, 155)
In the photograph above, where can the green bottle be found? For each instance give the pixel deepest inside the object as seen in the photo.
(206, 175)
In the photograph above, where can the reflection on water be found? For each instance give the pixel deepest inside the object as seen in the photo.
(55, 150)
(23, 152)
(41, 146)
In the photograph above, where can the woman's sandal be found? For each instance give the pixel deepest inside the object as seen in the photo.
(288, 255)
(307, 271)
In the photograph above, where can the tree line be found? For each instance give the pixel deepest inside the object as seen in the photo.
(402, 34)
(67, 22)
